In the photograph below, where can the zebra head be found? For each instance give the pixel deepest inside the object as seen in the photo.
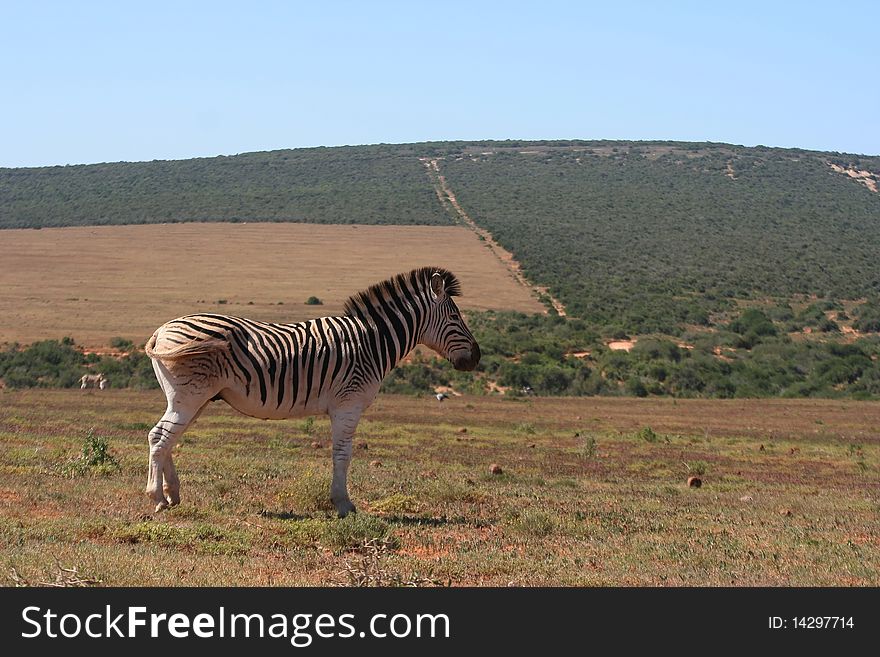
(445, 331)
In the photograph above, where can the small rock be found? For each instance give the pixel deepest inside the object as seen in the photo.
(745, 498)
(577, 417)
(695, 482)
(362, 445)
(316, 444)
(786, 513)
(532, 445)
(577, 434)
(462, 430)
(495, 469)
(376, 464)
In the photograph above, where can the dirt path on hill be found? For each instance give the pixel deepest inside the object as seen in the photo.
(448, 200)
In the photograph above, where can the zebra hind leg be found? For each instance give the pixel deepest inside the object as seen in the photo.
(163, 485)
(184, 406)
(170, 480)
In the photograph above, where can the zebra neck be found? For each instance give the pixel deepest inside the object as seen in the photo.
(391, 334)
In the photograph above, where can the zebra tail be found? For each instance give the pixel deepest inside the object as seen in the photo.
(182, 351)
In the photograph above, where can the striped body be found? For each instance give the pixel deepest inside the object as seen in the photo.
(276, 371)
(332, 365)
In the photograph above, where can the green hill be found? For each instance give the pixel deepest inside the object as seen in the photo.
(647, 237)
(365, 184)
(743, 271)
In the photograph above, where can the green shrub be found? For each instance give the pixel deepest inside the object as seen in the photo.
(396, 504)
(868, 317)
(636, 387)
(696, 468)
(95, 458)
(48, 363)
(647, 434)
(121, 344)
(308, 492)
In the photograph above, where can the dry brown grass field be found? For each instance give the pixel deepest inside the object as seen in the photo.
(592, 492)
(95, 283)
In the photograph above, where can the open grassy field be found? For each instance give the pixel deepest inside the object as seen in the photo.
(95, 283)
(588, 494)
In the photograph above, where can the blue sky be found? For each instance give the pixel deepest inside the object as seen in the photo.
(94, 82)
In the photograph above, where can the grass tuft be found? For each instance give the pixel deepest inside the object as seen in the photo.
(589, 448)
(525, 429)
(350, 532)
(309, 492)
(534, 522)
(341, 534)
(647, 434)
(95, 458)
(396, 504)
(200, 538)
(696, 468)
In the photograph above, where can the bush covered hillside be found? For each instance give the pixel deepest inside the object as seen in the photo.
(750, 356)
(60, 364)
(651, 237)
(725, 271)
(368, 185)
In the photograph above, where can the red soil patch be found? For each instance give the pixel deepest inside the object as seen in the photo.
(8, 495)
(621, 345)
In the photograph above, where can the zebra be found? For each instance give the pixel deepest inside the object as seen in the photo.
(328, 365)
(96, 380)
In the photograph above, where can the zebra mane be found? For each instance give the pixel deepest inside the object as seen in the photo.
(417, 280)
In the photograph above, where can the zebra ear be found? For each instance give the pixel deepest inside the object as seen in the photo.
(438, 285)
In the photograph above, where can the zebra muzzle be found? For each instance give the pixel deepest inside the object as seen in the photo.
(467, 363)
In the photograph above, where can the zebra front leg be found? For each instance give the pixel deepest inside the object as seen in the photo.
(343, 424)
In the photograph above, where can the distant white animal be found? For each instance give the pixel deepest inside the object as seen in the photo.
(93, 380)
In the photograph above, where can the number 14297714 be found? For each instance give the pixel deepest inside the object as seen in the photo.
(810, 622)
